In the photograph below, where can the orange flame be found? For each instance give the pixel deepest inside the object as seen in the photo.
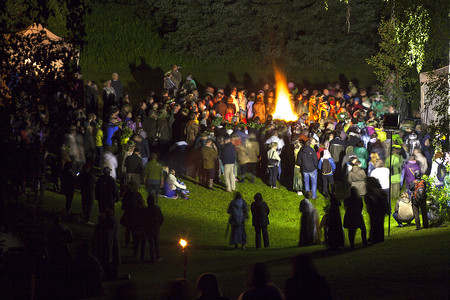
(284, 108)
(183, 243)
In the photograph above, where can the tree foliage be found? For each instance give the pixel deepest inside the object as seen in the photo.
(292, 33)
(438, 99)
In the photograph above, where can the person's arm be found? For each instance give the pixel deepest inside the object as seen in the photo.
(320, 163)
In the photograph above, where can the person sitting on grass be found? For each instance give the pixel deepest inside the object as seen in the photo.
(173, 188)
(260, 285)
(209, 287)
(403, 210)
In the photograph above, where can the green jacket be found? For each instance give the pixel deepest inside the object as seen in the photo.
(397, 162)
(363, 156)
(153, 172)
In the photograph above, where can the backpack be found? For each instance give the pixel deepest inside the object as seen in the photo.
(441, 172)
(326, 167)
(419, 191)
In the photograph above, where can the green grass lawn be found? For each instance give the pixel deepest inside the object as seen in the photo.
(408, 265)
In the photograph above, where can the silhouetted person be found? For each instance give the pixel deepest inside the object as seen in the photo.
(87, 274)
(58, 238)
(209, 287)
(68, 179)
(87, 187)
(260, 220)
(131, 198)
(238, 211)
(177, 289)
(419, 199)
(260, 285)
(153, 219)
(309, 222)
(335, 230)
(306, 283)
(377, 209)
(353, 218)
(106, 191)
(106, 244)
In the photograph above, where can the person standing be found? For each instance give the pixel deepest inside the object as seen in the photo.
(153, 221)
(376, 200)
(273, 160)
(253, 155)
(87, 187)
(106, 191)
(307, 159)
(154, 179)
(260, 220)
(228, 157)
(118, 88)
(327, 166)
(419, 199)
(309, 223)
(209, 156)
(353, 218)
(133, 167)
(356, 177)
(238, 211)
(68, 179)
(106, 244)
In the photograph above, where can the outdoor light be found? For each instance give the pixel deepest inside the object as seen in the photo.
(183, 243)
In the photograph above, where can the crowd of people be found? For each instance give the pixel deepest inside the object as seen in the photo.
(223, 139)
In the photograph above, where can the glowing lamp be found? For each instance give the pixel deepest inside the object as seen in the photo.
(183, 243)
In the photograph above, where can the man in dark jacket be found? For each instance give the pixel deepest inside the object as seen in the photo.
(228, 157)
(153, 220)
(106, 191)
(133, 167)
(308, 162)
(260, 220)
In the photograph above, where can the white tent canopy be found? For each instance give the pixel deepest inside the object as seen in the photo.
(428, 114)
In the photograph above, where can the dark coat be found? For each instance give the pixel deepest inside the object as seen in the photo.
(106, 241)
(353, 217)
(87, 184)
(307, 159)
(68, 179)
(335, 230)
(133, 164)
(228, 154)
(260, 212)
(153, 220)
(376, 203)
(106, 192)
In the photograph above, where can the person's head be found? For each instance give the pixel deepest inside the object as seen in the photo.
(177, 289)
(258, 197)
(115, 76)
(172, 172)
(374, 157)
(259, 275)
(308, 195)
(412, 158)
(237, 195)
(274, 145)
(137, 150)
(405, 195)
(302, 266)
(208, 286)
(360, 144)
(106, 170)
(438, 155)
(379, 163)
(153, 156)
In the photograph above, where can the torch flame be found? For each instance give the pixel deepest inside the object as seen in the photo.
(183, 243)
(283, 110)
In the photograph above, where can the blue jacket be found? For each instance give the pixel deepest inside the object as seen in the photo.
(228, 154)
(332, 163)
(109, 133)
